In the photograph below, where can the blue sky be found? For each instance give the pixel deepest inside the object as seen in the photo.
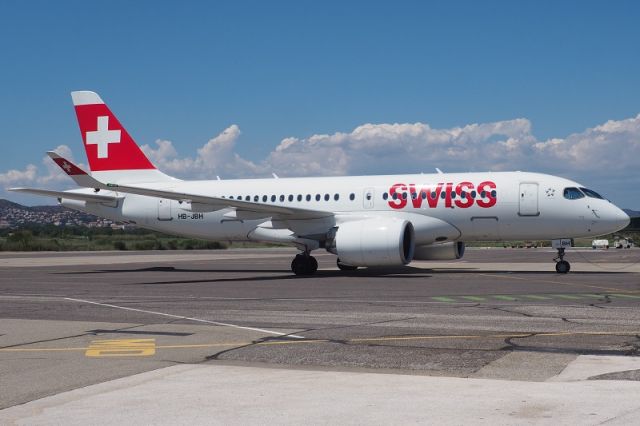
(295, 70)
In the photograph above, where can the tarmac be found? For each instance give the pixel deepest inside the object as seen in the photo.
(231, 336)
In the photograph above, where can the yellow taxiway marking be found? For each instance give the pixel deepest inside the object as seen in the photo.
(121, 347)
(609, 289)
(147, 347)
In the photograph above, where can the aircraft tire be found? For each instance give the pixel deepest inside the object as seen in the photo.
(304, 265)
(563, 267)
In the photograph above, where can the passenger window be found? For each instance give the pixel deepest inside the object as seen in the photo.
(308, 197)
(264, 198)
(352, 196)
(247, 198)
(256, 198)
(494, 193)
(385, 196)
(336, 197)
(290, 197)
(592, 194)
(473, 194)
(299, 197)
(318, 197)
(281, 198)
(424, 195)
(273, 198)
(443, 195)
(326, 197)
(572, 193)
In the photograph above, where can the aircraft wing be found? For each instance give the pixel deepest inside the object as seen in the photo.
(263, 210)
(95, 198)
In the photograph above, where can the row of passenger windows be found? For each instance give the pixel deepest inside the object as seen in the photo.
(575, 193)
(443, 195)
(336, 197)
(290, 197)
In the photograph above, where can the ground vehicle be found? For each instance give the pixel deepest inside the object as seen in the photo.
(600, 244)
(623, 243)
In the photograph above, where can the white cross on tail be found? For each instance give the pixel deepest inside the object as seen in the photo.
(103, 137)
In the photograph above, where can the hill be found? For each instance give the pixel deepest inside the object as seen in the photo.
(632, 213)
(14, 215)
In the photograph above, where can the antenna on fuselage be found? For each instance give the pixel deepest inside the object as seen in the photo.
(439, 171)
(275, 176)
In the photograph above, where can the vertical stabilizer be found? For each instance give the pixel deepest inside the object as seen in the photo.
(112, 153)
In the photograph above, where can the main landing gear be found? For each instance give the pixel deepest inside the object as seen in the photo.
(304, 264)
(562, 266)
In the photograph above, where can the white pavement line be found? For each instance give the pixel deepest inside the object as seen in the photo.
(262, 330)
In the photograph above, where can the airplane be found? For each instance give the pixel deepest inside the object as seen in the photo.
(367, 221)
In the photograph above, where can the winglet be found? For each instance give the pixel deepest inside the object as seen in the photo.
(79, 176)
(67, 166)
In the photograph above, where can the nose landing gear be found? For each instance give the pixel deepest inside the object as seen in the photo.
(562, 266)
(304, 264)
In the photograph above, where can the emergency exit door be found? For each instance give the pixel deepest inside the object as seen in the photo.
(529, 199)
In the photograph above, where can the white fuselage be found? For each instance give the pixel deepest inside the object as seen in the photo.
(441, 207)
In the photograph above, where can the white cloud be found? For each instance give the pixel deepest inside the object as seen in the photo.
(612, 148)
(17, 177)
(216, 157)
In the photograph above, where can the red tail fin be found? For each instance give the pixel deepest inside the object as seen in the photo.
(106, 142)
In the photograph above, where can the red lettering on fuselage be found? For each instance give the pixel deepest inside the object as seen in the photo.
(464, 201)
(397, 201)
(462, 195)
(486, 191)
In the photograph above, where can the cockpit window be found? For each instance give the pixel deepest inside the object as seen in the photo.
(572, 193)
(592, 194)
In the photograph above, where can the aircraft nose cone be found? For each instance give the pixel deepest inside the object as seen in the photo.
(618, 218)
(623, 219)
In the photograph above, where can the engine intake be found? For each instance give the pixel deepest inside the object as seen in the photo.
(373, 242)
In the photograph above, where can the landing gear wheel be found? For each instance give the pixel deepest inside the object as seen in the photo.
(304, 264)
(563, 267)
(345, 267)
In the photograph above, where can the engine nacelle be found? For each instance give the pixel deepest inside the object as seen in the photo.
(444, 251)
(373, 242)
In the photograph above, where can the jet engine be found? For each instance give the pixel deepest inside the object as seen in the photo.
(373, 242)
(444, 251)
